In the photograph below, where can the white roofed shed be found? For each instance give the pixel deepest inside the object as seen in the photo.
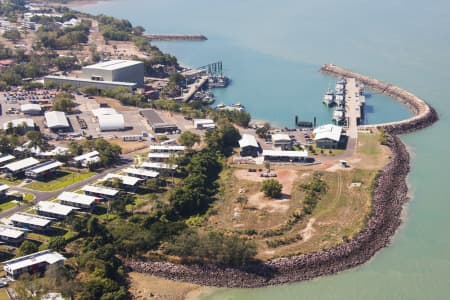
(56, 120)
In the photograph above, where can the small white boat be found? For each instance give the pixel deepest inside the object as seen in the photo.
(328, 98)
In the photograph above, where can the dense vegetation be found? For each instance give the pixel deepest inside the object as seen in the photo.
(64, 102)
(51, 36)
(212, 247)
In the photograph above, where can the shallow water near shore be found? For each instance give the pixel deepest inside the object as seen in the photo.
(273, 50)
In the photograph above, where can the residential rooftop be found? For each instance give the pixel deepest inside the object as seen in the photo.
(76, 198)
(47, 256)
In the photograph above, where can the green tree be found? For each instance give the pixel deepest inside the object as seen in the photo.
(271, 188)
(138, 30)
(57, 243)
(64, 102)
(263, 131)
(36, 139)
(13, 35)
(28, 247)
(189, 139)
(75, 148)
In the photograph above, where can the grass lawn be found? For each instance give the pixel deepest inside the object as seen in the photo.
(39, 237)
(11, 181)
(61, 180)
(7, 205)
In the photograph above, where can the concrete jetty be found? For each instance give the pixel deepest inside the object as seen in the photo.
(193, 88)
(421, 110)
(352, 107)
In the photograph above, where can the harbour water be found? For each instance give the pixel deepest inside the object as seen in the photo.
(272, 50)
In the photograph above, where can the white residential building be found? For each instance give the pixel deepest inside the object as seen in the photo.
(77, 200)
(53, 209)
(33, 263)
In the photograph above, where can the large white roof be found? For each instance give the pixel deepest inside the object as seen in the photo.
(19, 122)
(329, 131)
(278, 153)
(248, 140)
(76, 198)
(111, 122)
(112, 65)
(21, 164)
(30, 107)
(158, 155)
(127, 180)
(93, 82)
(104, 111)
(202, 122)
(30, 219)
(86, 156)
(56, 119)
(54, 208)
(141, 172)
(280, 137)
(46, 256)
(44, 167)
(158, 165)
(166, 148)
(100, 190)
(4, 187)
(6, 158)
(10, 232)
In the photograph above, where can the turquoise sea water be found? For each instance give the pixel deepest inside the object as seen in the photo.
(273, 49)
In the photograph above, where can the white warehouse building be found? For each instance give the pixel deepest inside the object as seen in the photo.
(116, 70)
(56, 120)
(109, 119)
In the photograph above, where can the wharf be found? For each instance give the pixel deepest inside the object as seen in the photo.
(353, 107)
(193, 88)
(175, 37)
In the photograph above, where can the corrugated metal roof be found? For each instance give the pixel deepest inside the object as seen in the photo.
(21, 164)
(46, 256)
(86, 156)
(127, 180)
(76, 198)
(56, 119)
(19, 122)
(141, 172)
(112, 65)
(111, 122)
(30, 219)
(54, 208)
(10, 232)
(328, 131)
(30, 107)
(278, 153)
(248, 140)
(100, 190)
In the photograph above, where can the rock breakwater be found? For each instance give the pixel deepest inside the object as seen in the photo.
(390, 194)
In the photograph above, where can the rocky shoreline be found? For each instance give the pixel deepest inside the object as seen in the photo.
(390, 195)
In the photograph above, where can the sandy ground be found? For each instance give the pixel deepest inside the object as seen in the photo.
(309, 230)
(285, 176)
(144, 286)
